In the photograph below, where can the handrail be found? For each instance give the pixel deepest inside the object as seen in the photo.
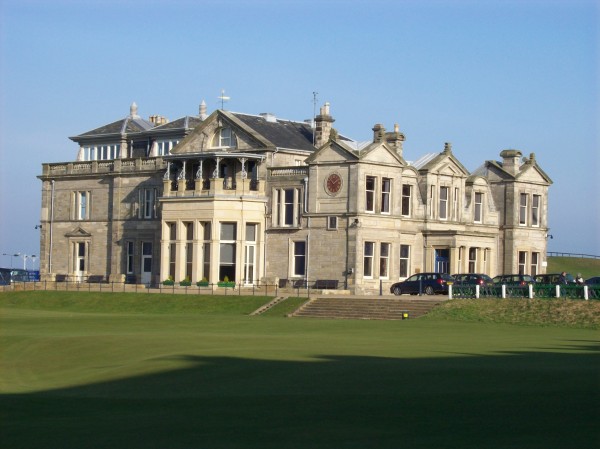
(557, 254)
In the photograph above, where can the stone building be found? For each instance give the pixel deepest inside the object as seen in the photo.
(256, 198)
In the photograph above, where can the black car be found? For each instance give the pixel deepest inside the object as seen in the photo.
(593, 281)
(427, 283)
(553, 278)
(514, 279)
(472, 279)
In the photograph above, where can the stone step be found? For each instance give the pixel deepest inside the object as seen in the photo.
(364, 308)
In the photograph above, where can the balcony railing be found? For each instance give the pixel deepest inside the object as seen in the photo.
(117, 165)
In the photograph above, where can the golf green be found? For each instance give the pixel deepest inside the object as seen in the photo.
(82, 376)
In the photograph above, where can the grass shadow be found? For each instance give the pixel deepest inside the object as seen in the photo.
(517, 400)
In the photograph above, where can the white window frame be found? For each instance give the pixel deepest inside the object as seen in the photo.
(535, 263)
(536, 202)
(283, 205)
(368, 259)
(370, 193)
(523, 208)
(478, 207)
(443, 210)
(405, 259)
(473, 255)
(148, 203)
(386, 195)
(406, 200)
(82, 205)
(385, 250)
(250, 253)
(297, 257)
(522, 262)
(222, 140)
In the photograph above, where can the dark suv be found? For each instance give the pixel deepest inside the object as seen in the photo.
(472, 279)
(514, 279)
(553, 278)
(428, 283)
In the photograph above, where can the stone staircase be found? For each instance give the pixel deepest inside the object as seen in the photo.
(365, 308)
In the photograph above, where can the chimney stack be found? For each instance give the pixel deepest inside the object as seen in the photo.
(202, 111)
(395, 139)
(378, 133)
(323, 123)
(510, 161)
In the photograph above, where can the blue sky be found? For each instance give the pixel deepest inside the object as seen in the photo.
(483, 75)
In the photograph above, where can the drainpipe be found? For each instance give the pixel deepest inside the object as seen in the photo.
(305, 208)
(51, 225)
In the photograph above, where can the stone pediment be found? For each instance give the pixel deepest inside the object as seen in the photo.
(78, 232)
(532, 173)
(332, 152)
(382, 154)
(200, 139)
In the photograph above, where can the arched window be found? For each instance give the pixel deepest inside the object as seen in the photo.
(224, 138)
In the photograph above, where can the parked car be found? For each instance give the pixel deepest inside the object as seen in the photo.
(593, 281)
(472, 279)
(428, 283)
(4, 276)
(553, 278)
(514, 279)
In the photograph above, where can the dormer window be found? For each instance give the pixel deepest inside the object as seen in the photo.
(224, 138)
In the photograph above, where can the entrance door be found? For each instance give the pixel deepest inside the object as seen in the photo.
(146, 262)
(249, 264)
(79, 261)
(442, 261)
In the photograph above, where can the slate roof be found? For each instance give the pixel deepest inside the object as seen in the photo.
(183, 122)
(282, 133)
(124, 126)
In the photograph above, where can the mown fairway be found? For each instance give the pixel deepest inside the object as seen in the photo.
(147, 371)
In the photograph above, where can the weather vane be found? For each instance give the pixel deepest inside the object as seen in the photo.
(223, 98)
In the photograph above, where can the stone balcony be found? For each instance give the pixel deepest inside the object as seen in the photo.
(99, 167)
(213, 187)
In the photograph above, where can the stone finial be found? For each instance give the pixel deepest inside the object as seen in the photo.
(133, 110)
(396, 128)
(203, 114)
(378, 133)
(447, 148)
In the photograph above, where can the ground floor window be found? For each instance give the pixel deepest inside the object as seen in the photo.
(227, 251)
(384, 260)
(472, 260)
(299, 259)
(522, 262)
(129, 258)
(368, 259)
(404, 260)
(535, 261)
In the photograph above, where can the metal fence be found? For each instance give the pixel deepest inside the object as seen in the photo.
(300, 288)
(540, 291)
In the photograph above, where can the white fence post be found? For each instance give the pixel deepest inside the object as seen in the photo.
(477, 291)
(530, 291)
(558, 291)
(450, 291)
(503, 291)
(585, 292)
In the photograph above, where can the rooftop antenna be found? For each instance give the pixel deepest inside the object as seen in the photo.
(314, 113)
(223, 99)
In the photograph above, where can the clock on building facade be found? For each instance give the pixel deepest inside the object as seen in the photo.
(333, 184)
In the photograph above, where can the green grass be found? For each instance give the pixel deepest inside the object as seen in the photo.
(586, 266)
(92, 371)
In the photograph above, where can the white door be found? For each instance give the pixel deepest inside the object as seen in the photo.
(79, 261)
(249, 264)
(146, 262)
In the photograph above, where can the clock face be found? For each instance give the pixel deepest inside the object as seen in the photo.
(333, 183)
